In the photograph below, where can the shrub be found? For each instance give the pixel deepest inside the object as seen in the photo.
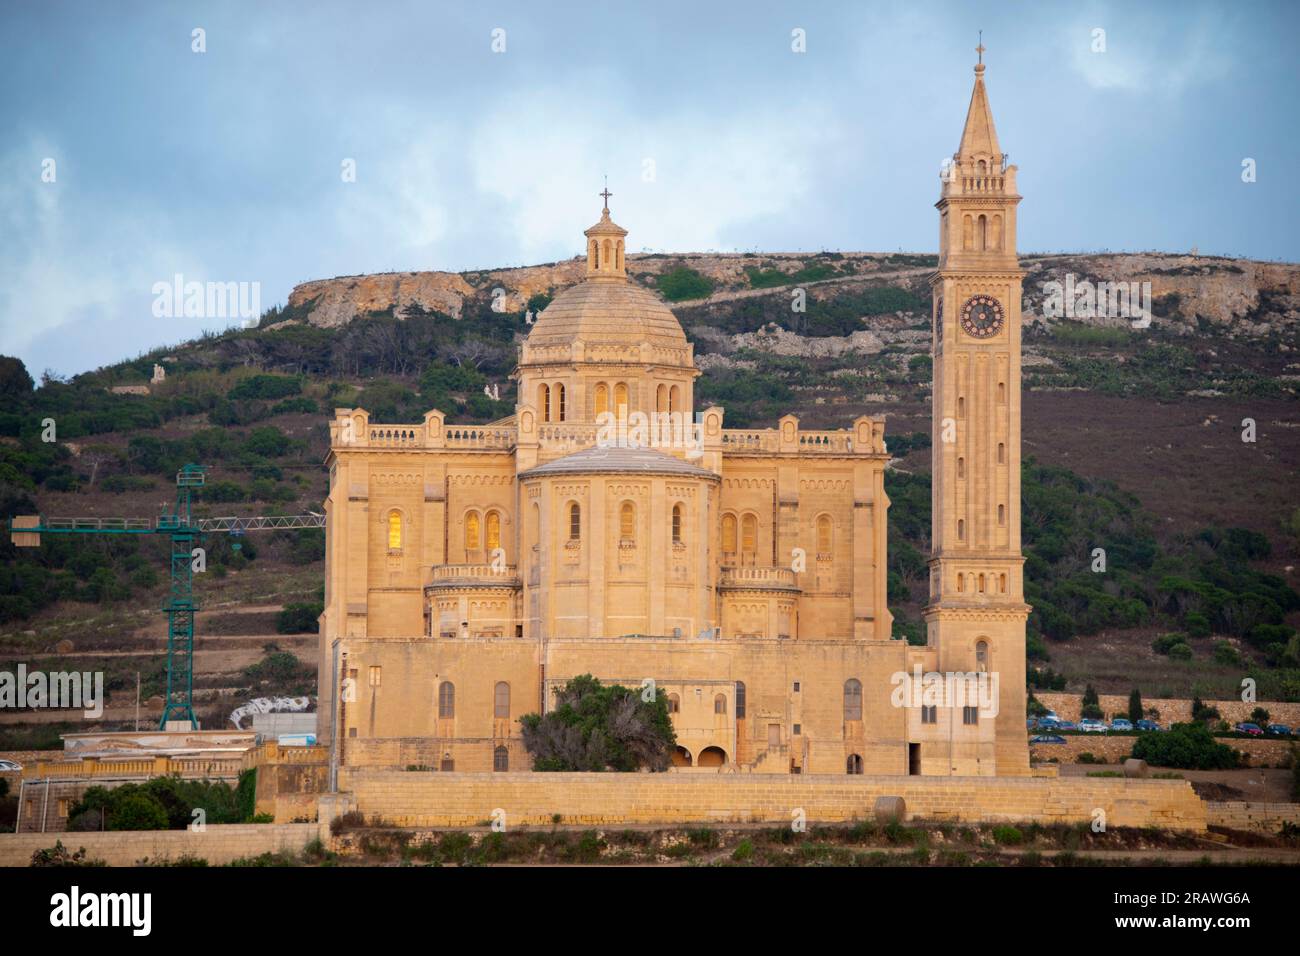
(1187, 747)
(743, 851)
(1196, 624)
(1226, 654)
(1008, 836)
(299, 619)
(1180, 652)
(684, 283)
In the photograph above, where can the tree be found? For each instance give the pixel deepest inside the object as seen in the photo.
(1091, 709)
(1135, 705)
(14, 380)
(1186, 746)
(596, 728)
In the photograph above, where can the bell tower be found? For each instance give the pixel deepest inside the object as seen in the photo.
(977, 612)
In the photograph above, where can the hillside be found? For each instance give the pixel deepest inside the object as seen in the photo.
(1135, 437)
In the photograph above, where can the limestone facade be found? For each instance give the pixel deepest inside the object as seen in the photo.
(609, 527)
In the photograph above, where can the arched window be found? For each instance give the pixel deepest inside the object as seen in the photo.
(719, 704)
(559, 403)
(1002, 583)
(544, 401)
(729, 534)
(854, 764)
(674, 704)
(661, 398)
(982, 228)
(677, 524)
(1002, 393)
(961, 583)
(607, 252)
(446, 699)
(961, 467)
(500, 760)
(394, 531)
(595, 254)
(1002, 514)
(967, 233)
(961, 530)
(493, 530)
(1002, 453)
(749, 534)
(618, 254)
(824, 534)
(602, 398)
(982, 167)
(740, 700)
(961, 406)
(472, 536)
(981, 584)
(982, 656)
(620, 400)
(501, 700)
(675, 399)
(852, 699)
(996, 239)
(575, 521)
(627, 521)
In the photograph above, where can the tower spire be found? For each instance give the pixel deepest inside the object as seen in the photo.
(979, 137)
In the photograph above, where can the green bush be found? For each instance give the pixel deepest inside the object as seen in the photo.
(1008, 836)
(1226, 654)
(299, 619)
(684, 283)
(1180, 652)
(1187, 747)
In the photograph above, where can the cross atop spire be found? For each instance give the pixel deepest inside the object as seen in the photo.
(606, 193)
(980, 49)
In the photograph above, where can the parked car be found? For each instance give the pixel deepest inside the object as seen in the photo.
(1121, 724)
(1282, 730)
(1149, 725)
(10, 766)
(1091, 726)
(1253, 730)
(1066, 725)
(1050, 715)
(1047, 739)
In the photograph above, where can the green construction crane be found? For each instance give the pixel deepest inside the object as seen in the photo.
(184, 533)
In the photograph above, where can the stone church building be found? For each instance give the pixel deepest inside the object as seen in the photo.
(609, 526)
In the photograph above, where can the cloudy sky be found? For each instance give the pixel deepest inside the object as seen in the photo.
(227, 165)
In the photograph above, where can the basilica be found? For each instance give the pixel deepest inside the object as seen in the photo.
(612, 527)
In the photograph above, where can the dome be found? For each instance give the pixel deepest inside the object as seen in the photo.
(607, 311)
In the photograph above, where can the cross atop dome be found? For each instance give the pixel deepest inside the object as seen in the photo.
(605, 244)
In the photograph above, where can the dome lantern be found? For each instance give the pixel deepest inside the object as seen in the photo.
(605, 246)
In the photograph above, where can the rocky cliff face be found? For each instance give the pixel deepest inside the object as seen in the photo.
(1241, 297)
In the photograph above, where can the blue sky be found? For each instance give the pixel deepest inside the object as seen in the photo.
(225, 166)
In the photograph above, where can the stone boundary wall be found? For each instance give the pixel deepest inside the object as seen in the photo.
(219, 843)
(1261, 817)
(469, 799)
(1173, 710)
(1113, 748)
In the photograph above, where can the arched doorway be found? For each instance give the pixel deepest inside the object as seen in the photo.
(712, 757)
(681, 757)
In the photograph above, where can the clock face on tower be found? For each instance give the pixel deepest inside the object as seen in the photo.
(981, 316)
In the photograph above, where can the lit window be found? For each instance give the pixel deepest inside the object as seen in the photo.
(472, 536)
(602, 398)
(677, 524)
(394, 531)
(493, 530)
(627, 521)
(620, 400)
